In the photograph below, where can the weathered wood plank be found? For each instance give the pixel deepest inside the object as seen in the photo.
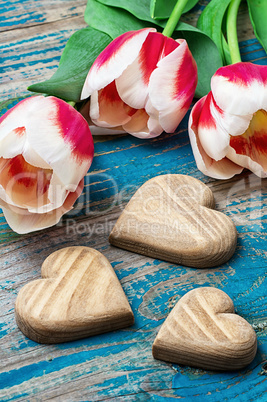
(28, 13)
(152, 288)
(35, 56)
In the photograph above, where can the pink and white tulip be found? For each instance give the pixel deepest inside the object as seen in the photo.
(228, 127)
(46, 149)
(142, 83)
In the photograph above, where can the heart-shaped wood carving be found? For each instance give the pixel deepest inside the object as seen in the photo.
(169, 218)
(203, 331)
(79, 296)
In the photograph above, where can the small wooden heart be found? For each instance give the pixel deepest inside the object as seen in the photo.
(203, 331)
(79, 296)
(169, 218)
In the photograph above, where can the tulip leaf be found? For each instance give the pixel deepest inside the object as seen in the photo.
(116, 20)
(139, 8)
(142, 8)
(79, 54)
(211, 20)
(161, 9)
(258, 14)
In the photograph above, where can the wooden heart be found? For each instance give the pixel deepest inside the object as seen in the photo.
(169, 218)
(203, 331)
(79, 296)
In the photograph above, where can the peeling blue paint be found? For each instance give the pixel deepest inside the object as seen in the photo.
(3, 330)
(18, 376)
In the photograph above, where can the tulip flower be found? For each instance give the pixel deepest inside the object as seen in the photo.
(46, 149)
(142, 83)
(228, 127)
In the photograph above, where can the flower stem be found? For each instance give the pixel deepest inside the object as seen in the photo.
(72, 103)
(231, 30)
(174, 17)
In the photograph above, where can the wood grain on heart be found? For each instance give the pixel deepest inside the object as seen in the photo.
(203, 331)
(170, 218)
(79, 296)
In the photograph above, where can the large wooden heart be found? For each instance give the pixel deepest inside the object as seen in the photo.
(79, 296)
(169, 218)
(203, 331)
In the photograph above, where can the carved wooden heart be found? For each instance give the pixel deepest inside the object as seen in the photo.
(203, 331)
(169, 218)
(79, 296)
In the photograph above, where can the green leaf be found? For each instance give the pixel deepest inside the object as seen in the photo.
(211, 20)
(139, 8)
(115, 21)
(79, 54)
(142, 8)
(258, 16)
(161, 9)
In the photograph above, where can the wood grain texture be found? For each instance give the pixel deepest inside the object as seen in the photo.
(31, 49)
(170, 218)
(29, 13)
(119, 366)
(203, 331)
(79, 296)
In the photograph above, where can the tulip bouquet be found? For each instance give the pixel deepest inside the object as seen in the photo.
(46, 145)
(135, 69)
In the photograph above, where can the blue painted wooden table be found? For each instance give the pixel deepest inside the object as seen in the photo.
(119, 365)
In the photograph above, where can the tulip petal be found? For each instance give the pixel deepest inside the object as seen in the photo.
(116, 57)
(107, 109)
(214, 139)
(28, 187)
(137, 126)
(250, 149)
(61, 135)
(221, 169)
(13, 133)
(231, 124)
(95, 130)
(154, 127)
(246, 162)
(172, 86)
(133, 83)
(25, 185)
(23, 221)
(4, 198)
(13, 141)
(234, 88)
(57, 194)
